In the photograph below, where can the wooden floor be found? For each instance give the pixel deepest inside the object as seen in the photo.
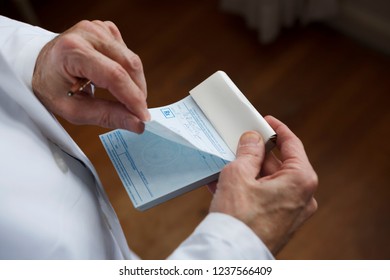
(333, 92)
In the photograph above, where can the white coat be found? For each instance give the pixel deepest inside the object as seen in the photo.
(52, 203)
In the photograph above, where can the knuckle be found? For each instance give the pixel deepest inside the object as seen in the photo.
(307, 183)
(251, 152)
(135, 62)
(112, 27)
(85, 25)
(311, 208)
(311, 181)
(118, 73)
(301, 186)
(105, 120)
(68, 41)
(96, 21)
(90, 27)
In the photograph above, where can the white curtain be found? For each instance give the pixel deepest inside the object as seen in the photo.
(269, 16)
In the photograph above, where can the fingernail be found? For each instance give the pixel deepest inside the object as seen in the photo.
(134, 126)
(139, 128)
(250, 139)
(147, 115)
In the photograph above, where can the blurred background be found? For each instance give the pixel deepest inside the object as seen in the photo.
(320, 66)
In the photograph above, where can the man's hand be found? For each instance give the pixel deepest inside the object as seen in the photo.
(272, 196)
(92, 51)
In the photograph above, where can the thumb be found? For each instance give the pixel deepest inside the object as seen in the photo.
(250, 152)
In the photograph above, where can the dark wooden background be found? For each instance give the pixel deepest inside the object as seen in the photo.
(332, 91)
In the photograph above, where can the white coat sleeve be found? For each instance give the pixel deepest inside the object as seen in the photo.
(20, 44)
(220, 236)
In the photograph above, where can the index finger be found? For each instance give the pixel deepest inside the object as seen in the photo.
(111, 44)
(295, 168)
(97, 52)
(108, 74)
(291, 148)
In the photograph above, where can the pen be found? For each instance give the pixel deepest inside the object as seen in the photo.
(80, 86)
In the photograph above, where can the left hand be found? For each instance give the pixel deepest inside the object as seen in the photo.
(275, 204)
(92, 51)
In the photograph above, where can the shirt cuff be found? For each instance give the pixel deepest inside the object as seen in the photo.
(221, 236)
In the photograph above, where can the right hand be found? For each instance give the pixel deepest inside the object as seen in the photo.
(275, 204)
(92, 51)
